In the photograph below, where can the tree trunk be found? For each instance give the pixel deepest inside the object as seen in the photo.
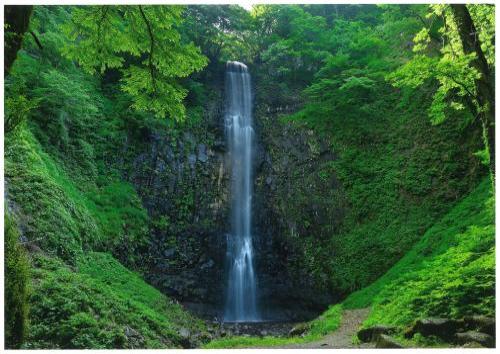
(17, 19)
(484, 85)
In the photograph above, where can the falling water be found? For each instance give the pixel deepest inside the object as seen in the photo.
(241, 305)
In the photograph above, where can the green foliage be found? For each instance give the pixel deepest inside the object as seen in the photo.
(101, 305)
(223, 32)
(249, 342)
(16, 286)
(398, 173)
(144, 43)
(450, 67)
(450, 272)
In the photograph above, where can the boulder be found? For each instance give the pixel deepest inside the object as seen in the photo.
(371, 334)
(472, 345)
(480, 323)
(472, 336)
(185, 338)
(134, 338)
(443, 328)
(298, 329)
(385, 341)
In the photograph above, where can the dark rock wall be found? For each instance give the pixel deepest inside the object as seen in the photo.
(182, 179)
(286, 183)
(184, 182)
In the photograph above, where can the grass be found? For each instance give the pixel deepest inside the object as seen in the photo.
(449, 273)
(100, 304)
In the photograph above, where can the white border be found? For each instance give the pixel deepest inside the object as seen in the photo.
(247, 4)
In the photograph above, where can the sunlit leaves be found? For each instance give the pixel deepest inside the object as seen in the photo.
(143, 42)
(454, 75)
(452, 69)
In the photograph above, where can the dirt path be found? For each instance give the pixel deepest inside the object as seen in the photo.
(342, 337)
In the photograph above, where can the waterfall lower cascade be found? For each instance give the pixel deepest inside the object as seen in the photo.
(241, 304)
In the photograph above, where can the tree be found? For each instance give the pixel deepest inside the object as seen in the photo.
(462, 67)
(484, 88)
(144, 43)
(223, 32)
(17, 19)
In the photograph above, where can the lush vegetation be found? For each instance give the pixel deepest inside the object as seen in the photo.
(16, 287)
(102, 305)
(391, 206)
(450, 272)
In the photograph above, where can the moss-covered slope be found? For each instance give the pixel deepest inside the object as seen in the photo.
(450, 272)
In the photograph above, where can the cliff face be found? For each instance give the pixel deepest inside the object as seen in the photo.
(183, 180)
(286, 188)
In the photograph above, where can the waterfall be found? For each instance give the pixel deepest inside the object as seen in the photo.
(241, 304)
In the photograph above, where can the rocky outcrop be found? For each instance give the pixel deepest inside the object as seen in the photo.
(290, 174)
(467, 331)
(372, 334)
(443, 328)
(181, 176)
(385, 341)
(483, 339)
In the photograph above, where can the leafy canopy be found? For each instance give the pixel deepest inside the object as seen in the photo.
(441, 58)
(143, 43)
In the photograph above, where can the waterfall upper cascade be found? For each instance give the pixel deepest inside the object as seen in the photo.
(241, 303)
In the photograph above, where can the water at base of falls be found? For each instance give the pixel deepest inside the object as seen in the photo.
(241, 303)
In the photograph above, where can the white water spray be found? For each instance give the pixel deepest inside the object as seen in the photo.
(241, 304)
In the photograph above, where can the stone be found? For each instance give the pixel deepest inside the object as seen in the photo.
(191, 160)
(202, 153)
(169, 252)
(473, 336)
(481, 323)
(371, 334)
(184, 332)
(298, 329)
(134, 338)
(185, 339)
(444, 328)
(385, 341)
(209, 264)
(472, 345)
(219, 145)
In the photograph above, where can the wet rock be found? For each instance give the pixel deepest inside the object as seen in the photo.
(191, 160)
(472, 336)
(134, 338)
(169, 252)
(443, 328)
(184, 332)
(209, 264)
(299, 329)
(202, 153)
(219, 146)
(472, 345)
(482, 324)
(385, 341)
(185, 338)
(371, 334)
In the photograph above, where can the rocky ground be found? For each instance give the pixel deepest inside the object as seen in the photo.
(343, 337)
(252, 329)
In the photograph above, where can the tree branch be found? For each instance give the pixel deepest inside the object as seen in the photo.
(37, 41)
(151, 38)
